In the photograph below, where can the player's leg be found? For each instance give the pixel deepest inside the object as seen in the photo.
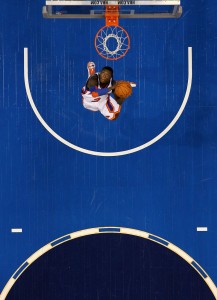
(110, 109)
(119, 100)
(87, 100)
(86, 95)
(93, 106)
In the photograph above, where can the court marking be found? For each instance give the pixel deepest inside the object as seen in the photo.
(104, 230)
(119, 153)
(202, 229)
(16, 230)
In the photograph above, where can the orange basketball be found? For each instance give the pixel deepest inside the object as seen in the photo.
(123, 89)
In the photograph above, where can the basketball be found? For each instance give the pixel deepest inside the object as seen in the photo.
(123, 89)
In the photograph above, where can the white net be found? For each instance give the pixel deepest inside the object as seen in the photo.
(112, 42)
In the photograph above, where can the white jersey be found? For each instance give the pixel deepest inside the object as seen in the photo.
(104, 103)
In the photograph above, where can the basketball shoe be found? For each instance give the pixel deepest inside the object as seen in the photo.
(133, 84)
(91, 68)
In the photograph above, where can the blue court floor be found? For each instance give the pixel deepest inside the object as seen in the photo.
(49, 189)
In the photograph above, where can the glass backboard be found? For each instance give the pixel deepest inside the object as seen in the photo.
(127, 9)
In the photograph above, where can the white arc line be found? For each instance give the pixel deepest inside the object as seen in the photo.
(94, 231)
(151, 142)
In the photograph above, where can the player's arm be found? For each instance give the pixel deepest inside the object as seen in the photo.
(118, 99)
(92, 82)
(92, 86)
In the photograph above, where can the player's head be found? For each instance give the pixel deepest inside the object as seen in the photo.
(106, 74)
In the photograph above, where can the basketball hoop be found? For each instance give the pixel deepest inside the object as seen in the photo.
(112, 41)
(115, 37)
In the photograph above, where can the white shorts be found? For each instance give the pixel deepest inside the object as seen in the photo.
(108, 106)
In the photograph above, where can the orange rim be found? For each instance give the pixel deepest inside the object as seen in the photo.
(112, 58)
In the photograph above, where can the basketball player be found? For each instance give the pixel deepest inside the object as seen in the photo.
(96, 92)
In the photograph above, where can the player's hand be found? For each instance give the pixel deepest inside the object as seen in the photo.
(111, 88)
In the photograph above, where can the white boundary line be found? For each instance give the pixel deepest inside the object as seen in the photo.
(65, 142)
(16, 230)
(202, 228)
(96, 230)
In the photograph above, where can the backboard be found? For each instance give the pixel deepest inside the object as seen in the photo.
(127, 9)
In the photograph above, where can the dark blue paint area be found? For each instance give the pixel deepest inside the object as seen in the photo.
(110, 266)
